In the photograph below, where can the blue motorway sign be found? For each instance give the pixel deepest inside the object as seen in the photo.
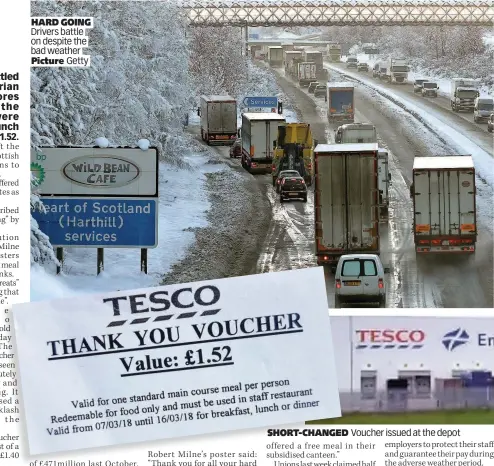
(254, 36)
(261, 102)
(99, 222)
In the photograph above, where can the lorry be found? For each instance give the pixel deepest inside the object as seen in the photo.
(463, 94)
(355, 133)
(218, 119)
(293, 71)
(255, 51)
(294, 151)
(288, 58)
(307, 72)
(397, 70)
(287, 46)
(259, 130)
(383, 183)
(443, 194)
(345, 201)
(334, 52)
(340, 99)
(316, 57)
(275, 56)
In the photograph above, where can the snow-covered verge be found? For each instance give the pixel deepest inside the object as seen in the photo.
(205, 210)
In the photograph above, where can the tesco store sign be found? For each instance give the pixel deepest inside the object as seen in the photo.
(389, 338)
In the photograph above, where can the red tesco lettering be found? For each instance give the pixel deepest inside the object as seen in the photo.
(402, 336)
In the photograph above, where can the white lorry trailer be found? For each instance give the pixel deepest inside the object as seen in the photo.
(383, 183)
(431, 353)
(356, 133)
(307, 72)
(288, 57)
(218, 119)
(397, 70)
(345, 201)
(259, 131)
(275, 56)
(463, 94)
(443, 194)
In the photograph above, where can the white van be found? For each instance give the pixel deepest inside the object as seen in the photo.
(359, 278)
(483, 108)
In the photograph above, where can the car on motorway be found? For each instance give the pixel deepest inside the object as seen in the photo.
(429, 89)
(351, 62)
(490, 123)
(417, 85)
(293, 187)
(363, 67)
(282, 175)
(312, 86)
(236, 149)
(320, 91)
(359, 278)
(375, 71)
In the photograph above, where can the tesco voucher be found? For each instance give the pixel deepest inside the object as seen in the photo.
(178, 360)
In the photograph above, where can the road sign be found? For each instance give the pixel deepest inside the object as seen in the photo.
(99, 222)
(95, 171)
(254, 36)
(261, 102)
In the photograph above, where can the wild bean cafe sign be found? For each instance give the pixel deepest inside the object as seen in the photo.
(95, 171)
(172, 361)
(101, 171)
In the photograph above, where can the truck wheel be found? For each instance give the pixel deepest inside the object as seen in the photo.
(382, 302)
(274, 181)
(281, 200)
(337, 302)
(305, 199)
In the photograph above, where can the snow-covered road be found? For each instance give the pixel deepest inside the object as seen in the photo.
(407, 131)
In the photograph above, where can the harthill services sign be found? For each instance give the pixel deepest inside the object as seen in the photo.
(98, 197)
(94, 171)
(178, 360)
(99, 222)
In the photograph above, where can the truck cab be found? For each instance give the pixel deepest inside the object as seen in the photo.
(356, 133)
(463, 94)
(351, 62)
(483, 108)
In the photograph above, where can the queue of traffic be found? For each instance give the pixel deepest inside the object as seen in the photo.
(351, 181)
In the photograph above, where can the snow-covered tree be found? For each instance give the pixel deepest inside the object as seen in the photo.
(41, 249)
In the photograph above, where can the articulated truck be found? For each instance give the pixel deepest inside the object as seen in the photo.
(397, 70)
(218, 119)
(340, 99)
(288, 57)
(307, 72)
(346, 201)
(275, 57)
(463, 94)
(443, 194)
(259, 130)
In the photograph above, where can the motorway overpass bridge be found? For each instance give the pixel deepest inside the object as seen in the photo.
(339, 12)
(301, 42)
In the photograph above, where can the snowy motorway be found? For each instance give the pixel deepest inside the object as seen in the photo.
(408, 126)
